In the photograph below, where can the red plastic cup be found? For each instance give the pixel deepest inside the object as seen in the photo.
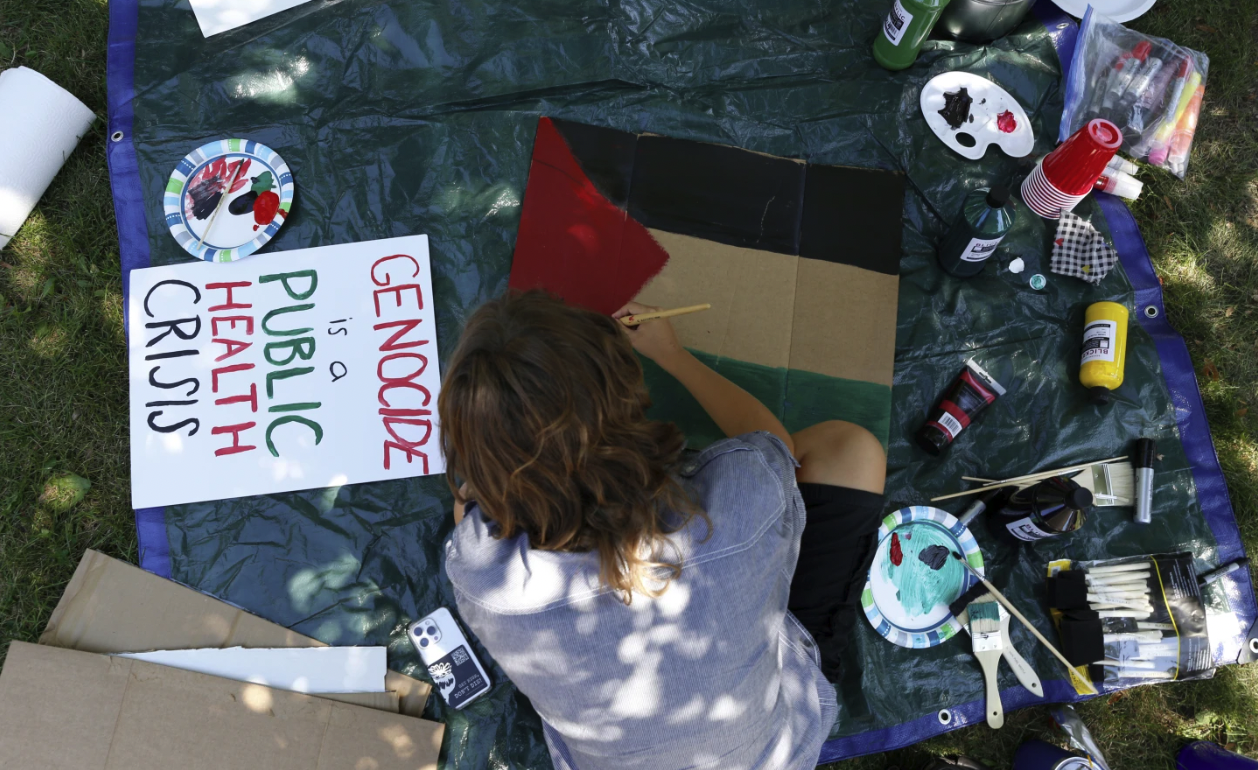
(1067, 174)
(1075, 165)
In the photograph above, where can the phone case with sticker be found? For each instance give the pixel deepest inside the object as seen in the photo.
(450, 660)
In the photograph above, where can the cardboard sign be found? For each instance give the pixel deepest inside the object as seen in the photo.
(292, 370)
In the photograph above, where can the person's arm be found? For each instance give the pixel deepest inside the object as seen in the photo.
(733, 409)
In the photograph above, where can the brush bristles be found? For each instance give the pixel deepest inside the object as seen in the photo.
(1110, 483)
(984, 617)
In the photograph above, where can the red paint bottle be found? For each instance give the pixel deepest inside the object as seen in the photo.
(968, 395)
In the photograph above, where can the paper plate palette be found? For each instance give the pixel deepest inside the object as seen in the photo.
(906, 596)
(251, 211)
(992, 116)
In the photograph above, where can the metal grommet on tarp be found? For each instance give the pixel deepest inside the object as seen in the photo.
(945, 717)
(116, 136)
(1150, 311)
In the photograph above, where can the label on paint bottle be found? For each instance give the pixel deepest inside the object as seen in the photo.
(897, 23)
(1098, 341)
(1025, 529)
(980, 249)
(950, 425)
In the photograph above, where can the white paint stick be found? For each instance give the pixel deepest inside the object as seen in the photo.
(1128, 663)
(1155, 627)
(1126, 585)
(1142, 566)
(1116, 596)
(1136, 673)
(1134, 615)
(1108, 606)
(1151, 637)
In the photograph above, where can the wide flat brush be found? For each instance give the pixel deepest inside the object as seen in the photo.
(989, 648)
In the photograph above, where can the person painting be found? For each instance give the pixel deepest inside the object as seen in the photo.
(658, 607)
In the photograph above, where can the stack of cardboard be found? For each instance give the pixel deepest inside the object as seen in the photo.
(77, 708)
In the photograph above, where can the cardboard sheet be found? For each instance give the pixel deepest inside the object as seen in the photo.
(294, 370)
(799, 261)
(313, 670)
(68, 710)
(215, 16)
(111, 606)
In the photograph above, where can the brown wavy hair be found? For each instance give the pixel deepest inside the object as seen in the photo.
(543, 415)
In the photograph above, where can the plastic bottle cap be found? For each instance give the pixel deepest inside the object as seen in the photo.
(1100, 395)
(1079, 498)
(998, 196)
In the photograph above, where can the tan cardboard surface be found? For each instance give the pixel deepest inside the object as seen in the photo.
(844, 324)
(63, 709)
(779, 310)
(112, 606)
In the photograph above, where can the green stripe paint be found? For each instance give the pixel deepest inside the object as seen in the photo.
(799, 399)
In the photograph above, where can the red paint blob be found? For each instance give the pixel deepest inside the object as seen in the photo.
(1006, 122)
(897, 553)
(264, 208)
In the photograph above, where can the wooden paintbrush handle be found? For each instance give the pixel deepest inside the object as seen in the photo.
(634, 320)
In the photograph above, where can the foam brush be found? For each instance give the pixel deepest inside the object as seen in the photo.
(988, 648)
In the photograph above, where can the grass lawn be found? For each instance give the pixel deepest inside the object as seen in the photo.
(63, 397)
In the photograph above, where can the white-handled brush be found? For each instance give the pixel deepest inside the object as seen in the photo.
(989, 648)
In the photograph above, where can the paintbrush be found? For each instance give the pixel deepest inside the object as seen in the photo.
(223, 199)
(1088, 688)
(633, 320)
(1111, 484)
(988, 648)
(1029, 479)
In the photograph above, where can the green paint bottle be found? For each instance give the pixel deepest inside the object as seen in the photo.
(986, 218)
(904, 30)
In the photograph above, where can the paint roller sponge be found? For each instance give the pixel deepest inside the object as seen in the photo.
(1068, 590)
(1082, 641)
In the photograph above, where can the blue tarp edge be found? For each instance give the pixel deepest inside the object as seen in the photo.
(1190, 417)
(133, 243)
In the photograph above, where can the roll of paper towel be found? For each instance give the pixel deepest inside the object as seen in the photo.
(40, 125)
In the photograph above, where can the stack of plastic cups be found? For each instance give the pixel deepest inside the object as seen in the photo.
(1066, 175)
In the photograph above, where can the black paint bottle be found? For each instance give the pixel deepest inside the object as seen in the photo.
(1055, 506)
(985, 218)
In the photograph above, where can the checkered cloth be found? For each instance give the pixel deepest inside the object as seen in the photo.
(1079, 250)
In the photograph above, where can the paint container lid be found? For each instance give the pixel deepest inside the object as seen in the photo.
(998, 196)
(1038, 282)
(1099, 395)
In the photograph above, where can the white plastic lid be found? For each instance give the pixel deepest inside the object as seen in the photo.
(1126, 186)
(1122, 164)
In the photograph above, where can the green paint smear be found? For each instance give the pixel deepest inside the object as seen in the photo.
(919, 588)
(799, 399)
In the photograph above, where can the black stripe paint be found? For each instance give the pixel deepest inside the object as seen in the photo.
(719, 193)
(725, 194)
(853, 216)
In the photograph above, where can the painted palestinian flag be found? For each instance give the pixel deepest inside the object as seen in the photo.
(799, 261)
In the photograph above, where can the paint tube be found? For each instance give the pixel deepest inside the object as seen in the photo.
(967, 396)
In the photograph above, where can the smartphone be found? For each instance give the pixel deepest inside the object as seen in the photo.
(450, 660)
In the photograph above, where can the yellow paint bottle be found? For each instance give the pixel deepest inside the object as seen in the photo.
(1104, 349)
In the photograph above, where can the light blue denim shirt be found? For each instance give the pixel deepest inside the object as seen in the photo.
(714, 673)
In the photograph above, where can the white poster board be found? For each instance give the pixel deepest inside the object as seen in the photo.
(284, 371)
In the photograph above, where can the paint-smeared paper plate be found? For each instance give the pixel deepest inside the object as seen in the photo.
(992, 116)
(259, 200)
(1118, 10)
(906, 597)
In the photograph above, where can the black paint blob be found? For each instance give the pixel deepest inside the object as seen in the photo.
(934, 557)
(956, 107)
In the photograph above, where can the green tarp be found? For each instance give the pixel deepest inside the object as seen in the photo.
(413, 116)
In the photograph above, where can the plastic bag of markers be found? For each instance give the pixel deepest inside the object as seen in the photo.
(1147, 86)
(1184, 651)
